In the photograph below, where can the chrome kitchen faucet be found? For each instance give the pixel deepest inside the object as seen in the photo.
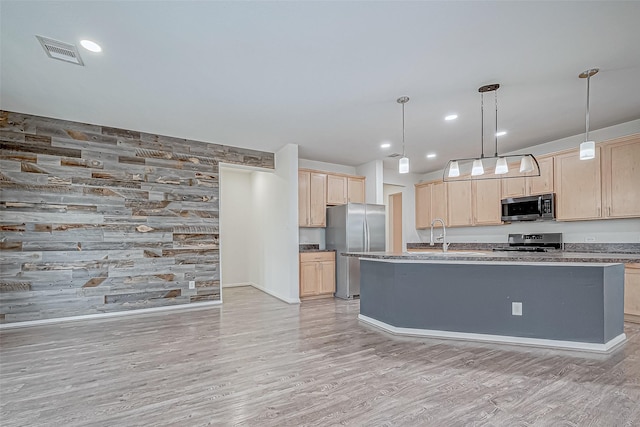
(445, 245)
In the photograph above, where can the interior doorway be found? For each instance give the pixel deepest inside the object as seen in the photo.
(395, 222)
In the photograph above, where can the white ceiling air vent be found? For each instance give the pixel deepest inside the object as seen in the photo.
(60, 50)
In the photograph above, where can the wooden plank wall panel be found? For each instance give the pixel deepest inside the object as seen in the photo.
(96, 219)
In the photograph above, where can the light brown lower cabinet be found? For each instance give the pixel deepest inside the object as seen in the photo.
(317, 274)
(632, 293)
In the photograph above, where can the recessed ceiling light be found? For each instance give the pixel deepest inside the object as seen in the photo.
(431, 155)
(91, 46)
(451, 117)
(501, 133)
(385, 145)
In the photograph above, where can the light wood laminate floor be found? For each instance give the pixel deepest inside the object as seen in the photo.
(257, 361)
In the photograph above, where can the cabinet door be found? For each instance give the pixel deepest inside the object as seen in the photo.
(544, 183)
(632, 291)
(578, 194)
(621, 178)
(327, 277)
(318, 200)
(423, 205)
(336, 190)
(308, 278)
(304, 188)
(516, 186)
(513, 187)
(486, 202)
(355, 190)
(438, 202)
(459, 203)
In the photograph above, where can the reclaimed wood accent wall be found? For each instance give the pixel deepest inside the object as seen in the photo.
(95, 219)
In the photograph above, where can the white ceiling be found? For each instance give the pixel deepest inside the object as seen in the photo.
(326, 75)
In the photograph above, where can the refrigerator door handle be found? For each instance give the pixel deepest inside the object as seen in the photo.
(364, 236)
(367, 237)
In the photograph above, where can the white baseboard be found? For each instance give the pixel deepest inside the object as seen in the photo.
(273, 294)
(498, 339)
(236, 285)
(192, 306)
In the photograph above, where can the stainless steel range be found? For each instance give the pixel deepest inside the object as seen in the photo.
(538, 242)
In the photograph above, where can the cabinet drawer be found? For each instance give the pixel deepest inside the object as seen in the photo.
(317, 256)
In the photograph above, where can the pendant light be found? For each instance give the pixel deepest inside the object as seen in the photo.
(403, 164)
(588, 148)
(473, 169)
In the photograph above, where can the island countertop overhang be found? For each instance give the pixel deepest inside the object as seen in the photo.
(500, 257)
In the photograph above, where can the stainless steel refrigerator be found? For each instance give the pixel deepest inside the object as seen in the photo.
(354, 227)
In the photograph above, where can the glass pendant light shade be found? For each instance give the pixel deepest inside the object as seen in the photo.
(501, 166)
(403, 165)
(587, 150)
(526, 164)
(477, 168)
(454, 169)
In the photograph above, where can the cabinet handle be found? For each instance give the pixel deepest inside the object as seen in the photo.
(609, 211)
(598, 210)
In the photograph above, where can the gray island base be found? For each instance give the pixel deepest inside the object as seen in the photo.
(576, 306)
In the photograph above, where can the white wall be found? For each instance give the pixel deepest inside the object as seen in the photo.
(389, 189)
(326, 167)
(313, 236)
(235, 221)
(604, 231)
(406, 182)
(275, 227)
(374, 181)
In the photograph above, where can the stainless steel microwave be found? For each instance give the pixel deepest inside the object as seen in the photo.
(529, 208)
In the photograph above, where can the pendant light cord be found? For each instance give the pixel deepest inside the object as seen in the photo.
(403, 129)
(586, 135)
(482, 125)
(496, 136)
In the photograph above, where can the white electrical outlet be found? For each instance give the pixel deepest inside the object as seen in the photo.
(590, 239)
(516, 308)
(192, 284)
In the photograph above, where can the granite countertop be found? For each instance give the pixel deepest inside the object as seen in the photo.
(600, 248)
(312, 247)
(506, 256)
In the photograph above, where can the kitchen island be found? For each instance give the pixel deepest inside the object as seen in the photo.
(560, 300)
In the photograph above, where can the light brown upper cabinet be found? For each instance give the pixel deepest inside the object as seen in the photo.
(355, 189)
(343, 189)
(312, 193)
(430, 203)
(336, 189)
(578, 189)
(621, 177)
(486, 202)
(459, 203)
(529, 186)
(544, 183)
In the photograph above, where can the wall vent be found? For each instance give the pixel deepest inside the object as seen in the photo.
(60, 50)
